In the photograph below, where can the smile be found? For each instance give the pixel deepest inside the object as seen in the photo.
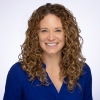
(51, 44)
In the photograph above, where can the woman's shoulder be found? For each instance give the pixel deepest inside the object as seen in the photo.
(16, 69)
(86, 74)
(86, 69)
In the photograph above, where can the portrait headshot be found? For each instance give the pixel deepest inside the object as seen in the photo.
(52, 62)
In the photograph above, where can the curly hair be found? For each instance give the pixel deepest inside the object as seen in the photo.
(72, 63)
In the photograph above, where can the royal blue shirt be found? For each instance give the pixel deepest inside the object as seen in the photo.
(18, 87)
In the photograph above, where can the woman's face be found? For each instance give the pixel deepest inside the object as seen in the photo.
(51, 34)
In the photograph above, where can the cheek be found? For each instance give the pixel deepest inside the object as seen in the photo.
(41, 37)
(62, 38)
(41, 41)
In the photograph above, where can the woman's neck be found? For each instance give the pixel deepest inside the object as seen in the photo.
(52, 60)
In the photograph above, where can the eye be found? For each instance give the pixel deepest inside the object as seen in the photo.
(58, 30)
(43, 31)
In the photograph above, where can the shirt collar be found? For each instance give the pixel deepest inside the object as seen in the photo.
(44, 65)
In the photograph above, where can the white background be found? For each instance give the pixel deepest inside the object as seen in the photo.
(14, 15)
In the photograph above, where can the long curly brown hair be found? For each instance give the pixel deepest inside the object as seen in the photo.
(72, 63)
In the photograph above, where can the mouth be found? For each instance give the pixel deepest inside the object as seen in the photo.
(51, 44)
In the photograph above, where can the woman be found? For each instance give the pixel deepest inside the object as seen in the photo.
(51, 66)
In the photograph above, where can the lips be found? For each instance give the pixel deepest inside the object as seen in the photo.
(51, 44)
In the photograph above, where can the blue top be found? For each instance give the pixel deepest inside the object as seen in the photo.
(18, 87)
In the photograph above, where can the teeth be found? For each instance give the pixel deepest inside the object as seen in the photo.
(51, 44)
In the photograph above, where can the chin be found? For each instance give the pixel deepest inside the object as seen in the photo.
(52, 52)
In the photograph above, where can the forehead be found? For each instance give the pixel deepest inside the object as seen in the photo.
(50, 20)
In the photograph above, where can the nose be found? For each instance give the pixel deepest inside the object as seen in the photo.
(51, 36)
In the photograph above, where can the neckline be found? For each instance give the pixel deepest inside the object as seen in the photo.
(53, 86)
(44, 65)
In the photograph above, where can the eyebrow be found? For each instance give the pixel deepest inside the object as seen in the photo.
(58, 27)
(43, 28)
(55, 28)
